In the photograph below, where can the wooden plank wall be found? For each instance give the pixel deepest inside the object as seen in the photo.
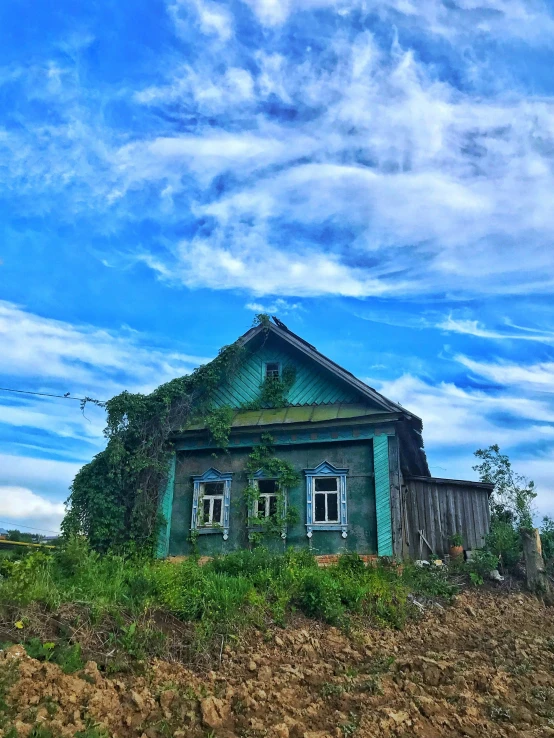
(166, 505)
(382, 495)
(440, 510)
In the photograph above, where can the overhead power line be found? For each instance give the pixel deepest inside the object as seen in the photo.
(67, 396)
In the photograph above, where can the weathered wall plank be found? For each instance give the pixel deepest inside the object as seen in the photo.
(166, 505)
(382, 495)
(440, 508)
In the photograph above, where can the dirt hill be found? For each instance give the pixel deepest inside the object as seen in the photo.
(482, 667)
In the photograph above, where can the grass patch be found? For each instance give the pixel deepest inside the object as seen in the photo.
(117, 595)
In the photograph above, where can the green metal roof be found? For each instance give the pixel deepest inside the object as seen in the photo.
(297, 414)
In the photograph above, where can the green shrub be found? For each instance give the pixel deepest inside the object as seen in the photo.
(319, 595)
(504, 542)
(482, 563)
(547, 539)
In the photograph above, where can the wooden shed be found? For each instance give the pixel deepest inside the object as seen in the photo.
(435, 509)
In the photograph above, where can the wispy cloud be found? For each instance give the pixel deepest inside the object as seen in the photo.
(357, 160)
(83, 358)
(277, 306)
(539, 376)
(475, 328)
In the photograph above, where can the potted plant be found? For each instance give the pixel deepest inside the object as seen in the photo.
(456, 546)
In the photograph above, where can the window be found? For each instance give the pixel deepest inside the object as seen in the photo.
(266, 505)
(211, 510)
(272, 370)
(270, 503)
(211, 503)
(326, 499)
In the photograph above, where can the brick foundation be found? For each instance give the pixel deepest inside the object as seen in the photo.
(328, 559)
(323, 560)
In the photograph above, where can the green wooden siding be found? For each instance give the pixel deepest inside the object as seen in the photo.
(313, 385)
(353, 454)
(166, 504)
(382, 495)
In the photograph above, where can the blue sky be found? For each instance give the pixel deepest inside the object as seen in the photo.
(379, 175)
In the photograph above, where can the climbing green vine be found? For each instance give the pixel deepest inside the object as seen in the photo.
(218, 423)
(263, 458)
(114, 499)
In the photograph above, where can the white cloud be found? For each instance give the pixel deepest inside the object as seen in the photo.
(456, 416)
(457, 421)
(82, 357)
(262, 270)
(440, 187)
(48, 474)
(526, 19)
(434, 186)
(212, 18)
(475, 328)
(276, 306)
(526, 376)
(19, 505)
(43, 354)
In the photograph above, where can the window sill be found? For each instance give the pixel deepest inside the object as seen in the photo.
(262, 529)
(311, 527)
(205, 530)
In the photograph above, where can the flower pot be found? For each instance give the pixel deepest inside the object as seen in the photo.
(456, 552)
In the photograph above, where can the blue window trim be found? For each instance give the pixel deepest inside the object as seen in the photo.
(253, 528)
(326, 469)
(212, 475)
(264, 370)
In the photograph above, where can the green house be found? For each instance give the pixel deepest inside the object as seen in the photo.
(361, 479)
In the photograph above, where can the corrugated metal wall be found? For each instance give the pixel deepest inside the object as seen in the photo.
(440, 509)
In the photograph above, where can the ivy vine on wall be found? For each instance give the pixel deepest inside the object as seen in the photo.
(114, 499)
(263, 458)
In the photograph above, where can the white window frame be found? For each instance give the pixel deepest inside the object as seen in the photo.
(212, 498)
(326, 493)
(266, 496)
(326, 469)
(199, 482)
(253, 511)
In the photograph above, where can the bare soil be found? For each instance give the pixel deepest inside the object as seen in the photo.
(481, 667)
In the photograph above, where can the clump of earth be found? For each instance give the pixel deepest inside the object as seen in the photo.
(483, 666)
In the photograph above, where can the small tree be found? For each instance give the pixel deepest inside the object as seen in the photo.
(512, 531)
(513, 494)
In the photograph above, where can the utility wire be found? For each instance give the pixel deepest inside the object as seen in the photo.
(19, 525)
(44, 394)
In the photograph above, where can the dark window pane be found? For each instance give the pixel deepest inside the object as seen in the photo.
(213, 488)
(272, 371)
(326, 484)
(272, 505)
(217, 511)
(261, 507)
(319, 508)
(332, 507)
(267, 486)
(206, 511)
